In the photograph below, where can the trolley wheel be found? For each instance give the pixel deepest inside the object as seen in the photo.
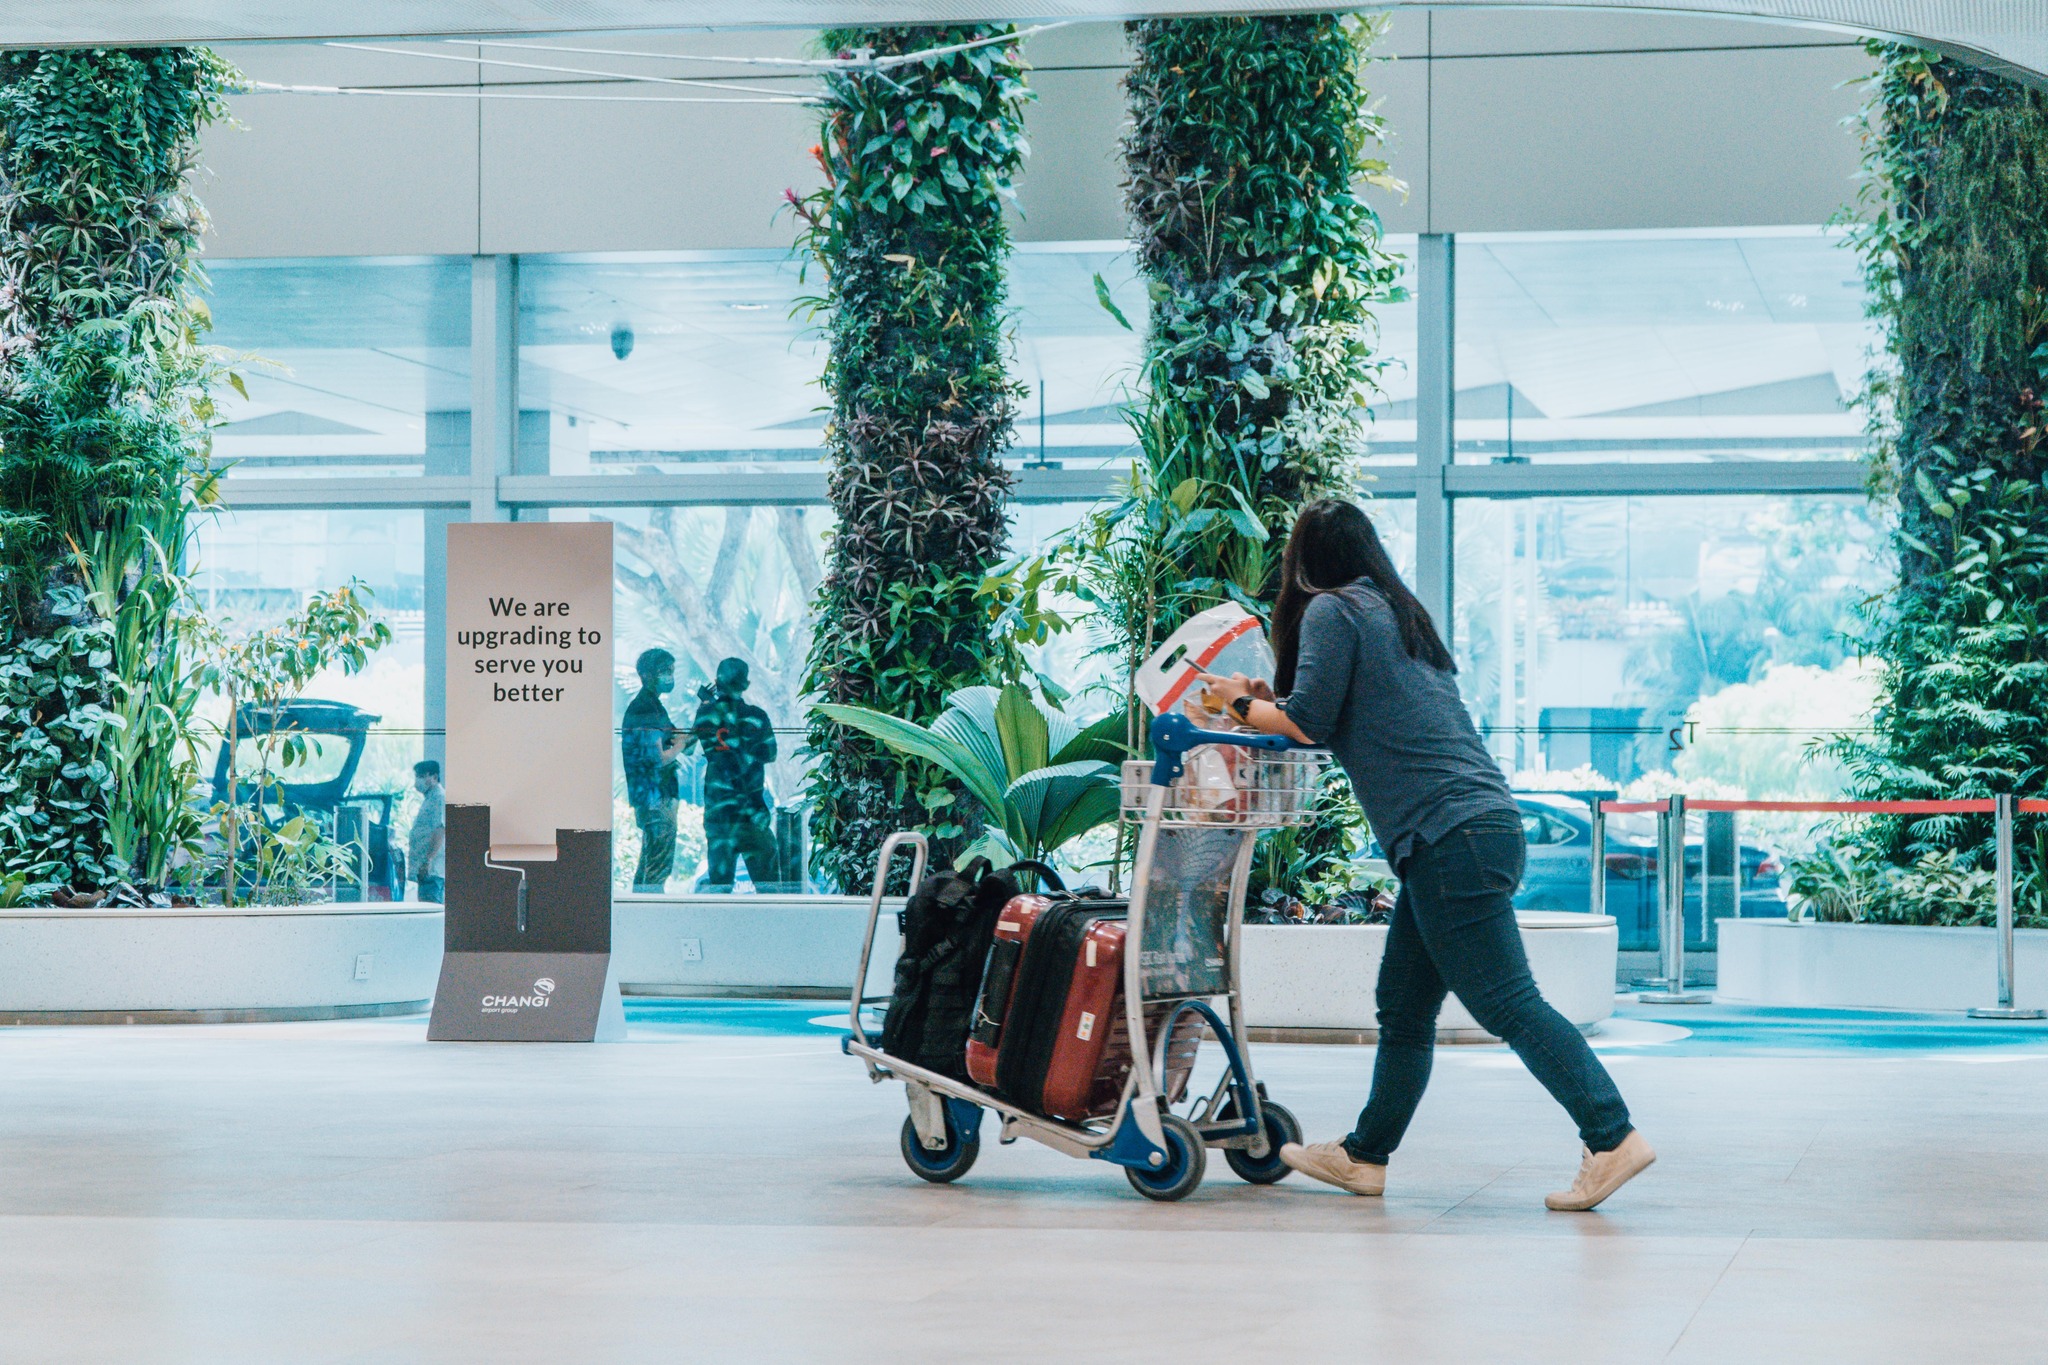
(1281, 1127)
(945, 1165)
(1176, 1178)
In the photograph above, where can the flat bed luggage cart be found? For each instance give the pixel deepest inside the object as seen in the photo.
(1182, 940)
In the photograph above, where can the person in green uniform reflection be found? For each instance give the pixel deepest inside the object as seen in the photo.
(650, 744)
(738, 742)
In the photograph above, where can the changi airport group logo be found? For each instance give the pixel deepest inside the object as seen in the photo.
(512, 1004)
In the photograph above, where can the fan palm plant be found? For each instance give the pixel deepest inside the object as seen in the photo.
(1040, 779)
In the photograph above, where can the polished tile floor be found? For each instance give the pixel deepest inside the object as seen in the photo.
(726, 1188)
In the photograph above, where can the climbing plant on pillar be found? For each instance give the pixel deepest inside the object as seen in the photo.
(1955, 254)
(103, 450)
(919, 153)
(1251, 140)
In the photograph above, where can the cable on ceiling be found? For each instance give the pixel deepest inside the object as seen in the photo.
(863, 60)
(697, 81)
(485, 93)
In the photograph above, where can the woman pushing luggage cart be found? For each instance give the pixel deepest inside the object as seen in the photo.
(1090, 1014)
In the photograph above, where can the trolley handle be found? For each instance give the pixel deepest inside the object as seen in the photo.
(919, 852)
(1174, 734)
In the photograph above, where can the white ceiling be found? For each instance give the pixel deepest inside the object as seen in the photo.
(2010, 34)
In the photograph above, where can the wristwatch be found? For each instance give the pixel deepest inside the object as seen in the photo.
(1243, 707)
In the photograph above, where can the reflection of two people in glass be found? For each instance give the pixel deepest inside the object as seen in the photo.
(738, 744)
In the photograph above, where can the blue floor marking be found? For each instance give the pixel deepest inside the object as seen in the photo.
(1714, 1030)
(1753, 1030)
(730, 1018)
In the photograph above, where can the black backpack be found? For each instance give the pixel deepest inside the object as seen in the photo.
(948, 926)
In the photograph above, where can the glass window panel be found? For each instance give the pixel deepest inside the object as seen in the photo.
(1391, 437)
(1659, 346)
(1655, 645)
(633, 363)
(253, 568)
(1645, 612)
(1080, 365)
(353, 366)
(708, 584)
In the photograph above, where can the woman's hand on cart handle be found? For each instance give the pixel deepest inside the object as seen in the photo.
(1264, 713)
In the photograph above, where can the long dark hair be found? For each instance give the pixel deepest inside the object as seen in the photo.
(1333, 546)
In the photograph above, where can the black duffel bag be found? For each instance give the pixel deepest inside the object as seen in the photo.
(948, 925)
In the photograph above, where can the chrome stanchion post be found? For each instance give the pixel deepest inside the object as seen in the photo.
(1596, 895)
(2004, 1009)
(1671, 891)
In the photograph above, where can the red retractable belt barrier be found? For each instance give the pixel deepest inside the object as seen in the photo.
(1973, 806)
(1670, 988)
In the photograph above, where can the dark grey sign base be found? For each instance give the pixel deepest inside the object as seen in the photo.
(527, 946)
(527, 998)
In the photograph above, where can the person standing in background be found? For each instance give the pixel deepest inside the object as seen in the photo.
(739, 744)
(649, 744)
(426, 843)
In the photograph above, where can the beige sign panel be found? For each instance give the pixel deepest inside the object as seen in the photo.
(530, 679)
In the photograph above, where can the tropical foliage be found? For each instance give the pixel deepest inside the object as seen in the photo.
(103, 444)
(1038, 779)
(1250, 141)
(285, 856)
(908, 232)
(1954, 197)
(60, 711)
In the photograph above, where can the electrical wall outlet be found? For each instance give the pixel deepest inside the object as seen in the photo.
(693, 950)
(363, 964)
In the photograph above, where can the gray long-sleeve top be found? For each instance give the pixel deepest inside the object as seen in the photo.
(1394, 722)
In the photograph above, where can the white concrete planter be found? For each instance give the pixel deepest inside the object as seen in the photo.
(674, 945)
(1322, 976)
(296, 961)
(1874, 966)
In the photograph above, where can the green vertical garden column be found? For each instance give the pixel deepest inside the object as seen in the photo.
(1954, 238)
(103, 447)
(908, 233)
(1250, 141)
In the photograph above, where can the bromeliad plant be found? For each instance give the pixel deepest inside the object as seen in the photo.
(1039, 780)
(1956, 263)
(908, 231)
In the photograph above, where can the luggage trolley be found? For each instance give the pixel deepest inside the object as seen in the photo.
(1182, 938)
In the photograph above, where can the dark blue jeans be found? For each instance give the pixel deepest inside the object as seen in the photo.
(1454, 929)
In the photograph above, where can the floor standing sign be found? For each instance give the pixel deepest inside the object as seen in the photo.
(529, 783)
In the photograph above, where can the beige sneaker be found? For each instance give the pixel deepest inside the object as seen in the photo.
(1600, 1174)
(1331, 1164)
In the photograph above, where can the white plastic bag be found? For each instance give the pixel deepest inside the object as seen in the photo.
(1223, 640)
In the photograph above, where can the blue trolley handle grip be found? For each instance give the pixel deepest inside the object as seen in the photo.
(1174, 734)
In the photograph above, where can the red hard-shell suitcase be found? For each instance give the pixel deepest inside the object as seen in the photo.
(1049, 1029)
(991, 1006)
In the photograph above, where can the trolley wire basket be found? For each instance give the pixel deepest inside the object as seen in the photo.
(1227, 785)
